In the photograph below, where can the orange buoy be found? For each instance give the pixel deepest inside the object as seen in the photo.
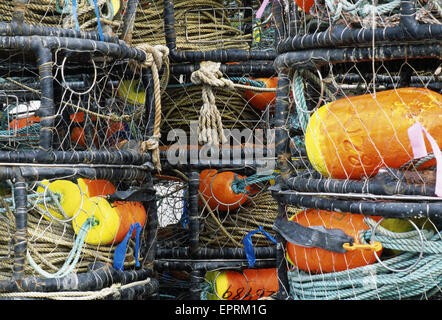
(355, 136)
(130, 212)
(250, 284)
(78, 136)
(260, 100)
(305, 4)
(216, 188)
(23, 122)
(318, 260)
(96, 187)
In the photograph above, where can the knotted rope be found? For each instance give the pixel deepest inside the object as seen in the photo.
(210, 127)
(155, 57)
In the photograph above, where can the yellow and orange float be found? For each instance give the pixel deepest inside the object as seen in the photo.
(355, 136)
(113, 221)
(249, 284)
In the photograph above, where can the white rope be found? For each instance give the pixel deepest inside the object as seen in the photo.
(210, 127)
(76, 295)
(155, 57)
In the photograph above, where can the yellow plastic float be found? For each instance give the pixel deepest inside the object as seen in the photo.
(355, 136)
(133, 91)
(250, 284)
(70, 197)
(106, 221)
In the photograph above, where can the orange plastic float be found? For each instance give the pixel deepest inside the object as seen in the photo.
(78, 136)
(96, 187)
(23, 122)
(305, 4)
(250, 284)
(260, 100)
(216, 188)
(355, 136)
(318, 260)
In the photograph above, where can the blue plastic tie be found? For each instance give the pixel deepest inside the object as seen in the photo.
(120, 250)
(97, 13)
(74, 14)
(248, 246)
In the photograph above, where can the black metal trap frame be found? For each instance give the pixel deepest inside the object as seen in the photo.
(397, 53)
(254, 62)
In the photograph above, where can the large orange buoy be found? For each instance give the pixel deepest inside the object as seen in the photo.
(305, 4)
(130, 212)
(250, 284)
(318, 260)
(216, 188)
(355, 136)
(260, 100)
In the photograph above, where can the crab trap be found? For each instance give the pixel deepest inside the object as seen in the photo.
(80, 116)
(357, 121)
(213, 217)
(215, 131)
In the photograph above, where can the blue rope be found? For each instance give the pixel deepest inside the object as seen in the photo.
(74, 14)
(97, 13)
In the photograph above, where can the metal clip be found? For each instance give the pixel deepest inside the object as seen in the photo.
(375, 246)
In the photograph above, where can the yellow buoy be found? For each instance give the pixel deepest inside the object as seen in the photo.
(106, 221)
(133, 91)
(70, 198)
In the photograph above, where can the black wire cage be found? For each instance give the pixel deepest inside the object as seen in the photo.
(346, 150)
(200, 234)
(77, 106)
(195, 239)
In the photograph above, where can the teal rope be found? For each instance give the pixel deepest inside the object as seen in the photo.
(18, 134)
(254, 83)
(239, 184)
(301, 105)
(375, 281)
(74, 254)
